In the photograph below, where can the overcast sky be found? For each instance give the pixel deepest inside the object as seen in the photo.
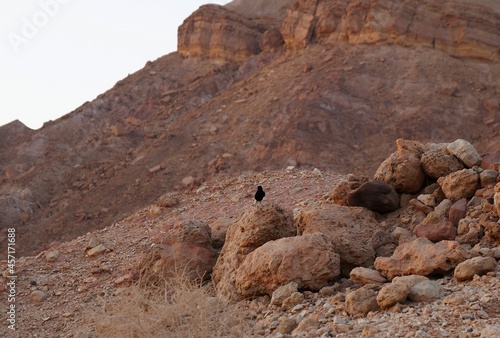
(57, 54)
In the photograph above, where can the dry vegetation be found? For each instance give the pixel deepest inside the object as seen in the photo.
(180, 308)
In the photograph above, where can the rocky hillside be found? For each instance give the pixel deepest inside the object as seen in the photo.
(326, 84)
(323, 255)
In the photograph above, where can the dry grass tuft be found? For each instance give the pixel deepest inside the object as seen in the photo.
(180, 308)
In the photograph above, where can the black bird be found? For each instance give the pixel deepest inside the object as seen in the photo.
(259, 195)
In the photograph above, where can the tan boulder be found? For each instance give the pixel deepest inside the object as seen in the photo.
(409, 280)
(361, 301)
(255, 227)
(283, 292)
(474, 266)
(366, 276)
(402, 169)
(391, 294)
(425, 291)
(354, 232)
(439, 162)
(186, 249)
(421, 257)
(308, 260)
(460, 184)
(465, 152)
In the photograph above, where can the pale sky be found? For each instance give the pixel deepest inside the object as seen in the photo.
(57, 54)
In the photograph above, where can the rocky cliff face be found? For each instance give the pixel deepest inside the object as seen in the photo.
(234, 100)
(459, 28)
(217, 33)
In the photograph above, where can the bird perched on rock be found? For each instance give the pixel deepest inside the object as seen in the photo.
(259, 195)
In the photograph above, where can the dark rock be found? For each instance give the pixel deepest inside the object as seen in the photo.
(375, 195)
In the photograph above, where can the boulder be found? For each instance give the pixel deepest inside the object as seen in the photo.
(410, 280)
(435, 232)
(391, 294)
(283, 292)
(215, 32)
(402, 169)
(185, 249)
(465, 152)
(308, 260)
(366, 276)
(458, 211)
(488, 177)
(460, 184)
(439, 162)
(254, 227)
(354, 232)
(422, 257)
(375, 195)
(474, 266)
(426, 291)
(361, 301)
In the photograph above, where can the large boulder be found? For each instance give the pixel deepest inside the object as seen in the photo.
(255, 227)
(437, 161)
(309, 260)
(460, 184)
(354, 232)
(391, 294)
(361, 301)
(375, 195)
(422, 257)
(402, 169)
(465, 152)
(474, 266)
(186, 249)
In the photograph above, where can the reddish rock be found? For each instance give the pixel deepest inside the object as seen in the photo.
(402, 169)
(185, 249)
(255, 227)
(361, 301)
(391, 294)
(439, 162)
(355, 241)
(474, 266)
(213, 31)
(422, 257)
(271, 39)
(458, 211)
(298, 24)
(460, 184)
(435, 232)
(308, 260)
(490, 161)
